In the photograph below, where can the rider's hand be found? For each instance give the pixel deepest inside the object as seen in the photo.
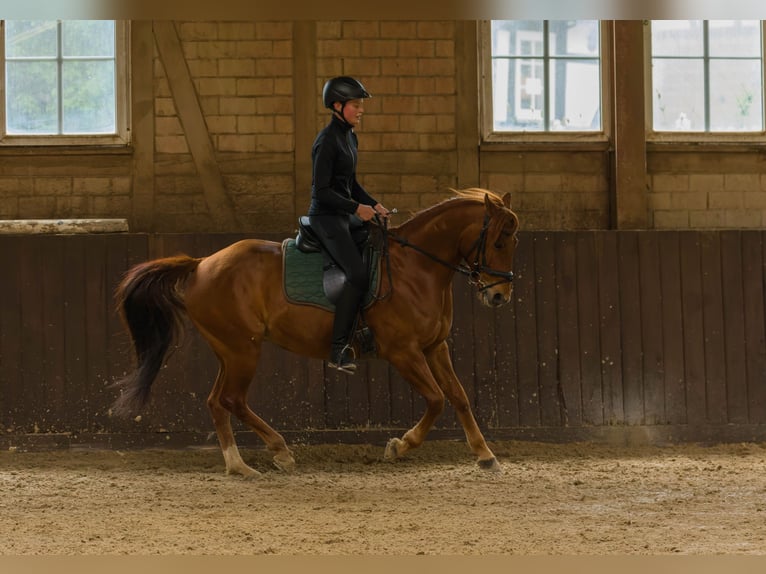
(365, 212)
(382, 211)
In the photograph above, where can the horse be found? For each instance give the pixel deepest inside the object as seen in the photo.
(235, 300)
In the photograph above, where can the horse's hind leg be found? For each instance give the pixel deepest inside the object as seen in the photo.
(229, 396)
(441, 366)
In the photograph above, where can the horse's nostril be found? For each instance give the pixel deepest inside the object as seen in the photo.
(498, 299)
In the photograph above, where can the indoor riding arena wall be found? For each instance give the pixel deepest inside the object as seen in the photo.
(638, 311)
(637, 336)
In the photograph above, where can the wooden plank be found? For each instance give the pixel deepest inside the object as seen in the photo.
(12, 416)
(463, 358)
(304, 75)
(219, 203)
(693, 325)
(606, 246)
(568, 335)
(142, 119)
(58, 396)
(525, 311)
(754, 287)
(484, 351)
(712, 305)
(672, 327)
(734, 326)
(552, 410)
(630, 314)
(466, 87)
(506, 362)
(653, 365)
(588, 330)
(380, 393)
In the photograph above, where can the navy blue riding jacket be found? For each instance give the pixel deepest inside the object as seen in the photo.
(334, 188)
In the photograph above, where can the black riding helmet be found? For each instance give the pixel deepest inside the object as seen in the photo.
(342, 89)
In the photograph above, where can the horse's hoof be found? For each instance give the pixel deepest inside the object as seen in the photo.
(393, 449)
(284, 462)
(245, 472)
(490, 464)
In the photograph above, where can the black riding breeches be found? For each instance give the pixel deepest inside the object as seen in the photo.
(339, 236)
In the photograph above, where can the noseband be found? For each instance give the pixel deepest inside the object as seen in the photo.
(474, 270)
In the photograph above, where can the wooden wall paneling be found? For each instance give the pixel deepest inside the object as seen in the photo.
(380, 393)
(463, 356)
(672, 327)
(568, 332)
(692, 310)
(219, 203)
(404, 401)
(12, 414)
(630, 320)
(32, 371)
(336, 398)
(712, 304)
(734, 326)
(525, 303)
(610, 332)
(57, 389)
(506, 362)
(485, 371)
(97, 293)
(75, 334)
(754, 275)
(651, 305)
(552, 410)
(589, 330)
(359, 396)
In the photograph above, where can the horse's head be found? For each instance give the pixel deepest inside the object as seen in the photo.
(492, 258)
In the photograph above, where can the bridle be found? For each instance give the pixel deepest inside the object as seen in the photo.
(472, 271)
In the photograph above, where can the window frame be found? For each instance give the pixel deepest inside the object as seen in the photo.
(564, 137)
(671, 137)
(122, 135)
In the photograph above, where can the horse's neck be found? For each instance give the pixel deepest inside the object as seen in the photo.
(444, 232)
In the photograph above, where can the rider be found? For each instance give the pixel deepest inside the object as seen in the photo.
(336, 196)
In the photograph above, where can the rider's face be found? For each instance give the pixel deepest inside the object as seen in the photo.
(352, 111)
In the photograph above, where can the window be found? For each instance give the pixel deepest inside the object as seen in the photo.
(707, 76)
(64, 82)
(545, 77)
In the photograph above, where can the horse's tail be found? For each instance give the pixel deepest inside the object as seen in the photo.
(151, 305)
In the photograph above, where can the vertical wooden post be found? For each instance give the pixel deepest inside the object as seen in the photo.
(142, 112)
(629, 201)
(305, 102)
(467, 102)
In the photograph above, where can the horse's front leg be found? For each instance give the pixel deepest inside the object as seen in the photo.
(413, 367)
(441, 366)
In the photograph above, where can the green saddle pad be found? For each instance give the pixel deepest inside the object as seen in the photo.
(302, 277)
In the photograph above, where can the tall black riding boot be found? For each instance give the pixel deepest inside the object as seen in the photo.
(345, 318)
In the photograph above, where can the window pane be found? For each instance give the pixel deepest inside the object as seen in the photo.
(518, 95)
(88, 97)
(88, 38)
(575, 88)
(735, 38)
(735, 95)
(31, 98)
(676, 38)
(30, 38)
(573, 38)
(678, 97)
(517, 38)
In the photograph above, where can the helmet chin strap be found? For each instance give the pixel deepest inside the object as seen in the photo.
(341, 117)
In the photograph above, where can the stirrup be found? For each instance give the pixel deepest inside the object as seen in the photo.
(341, 362)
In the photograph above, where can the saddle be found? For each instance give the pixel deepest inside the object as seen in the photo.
(311, 277)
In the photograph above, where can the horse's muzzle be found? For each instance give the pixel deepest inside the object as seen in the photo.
(492, 298)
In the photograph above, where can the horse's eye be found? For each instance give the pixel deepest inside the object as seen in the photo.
(499, 245)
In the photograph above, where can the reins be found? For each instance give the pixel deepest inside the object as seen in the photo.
(472, 272)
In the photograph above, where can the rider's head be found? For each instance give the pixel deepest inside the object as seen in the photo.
(343, 90)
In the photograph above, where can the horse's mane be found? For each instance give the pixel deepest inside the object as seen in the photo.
(472, 194)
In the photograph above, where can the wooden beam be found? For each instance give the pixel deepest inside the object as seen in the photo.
(467, 103)
(630, 205)
(192, 119)
(142, 112)
(305, 102)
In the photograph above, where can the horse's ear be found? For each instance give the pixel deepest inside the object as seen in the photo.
(507, 200)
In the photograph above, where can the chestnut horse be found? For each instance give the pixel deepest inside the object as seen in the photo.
(235, 299)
